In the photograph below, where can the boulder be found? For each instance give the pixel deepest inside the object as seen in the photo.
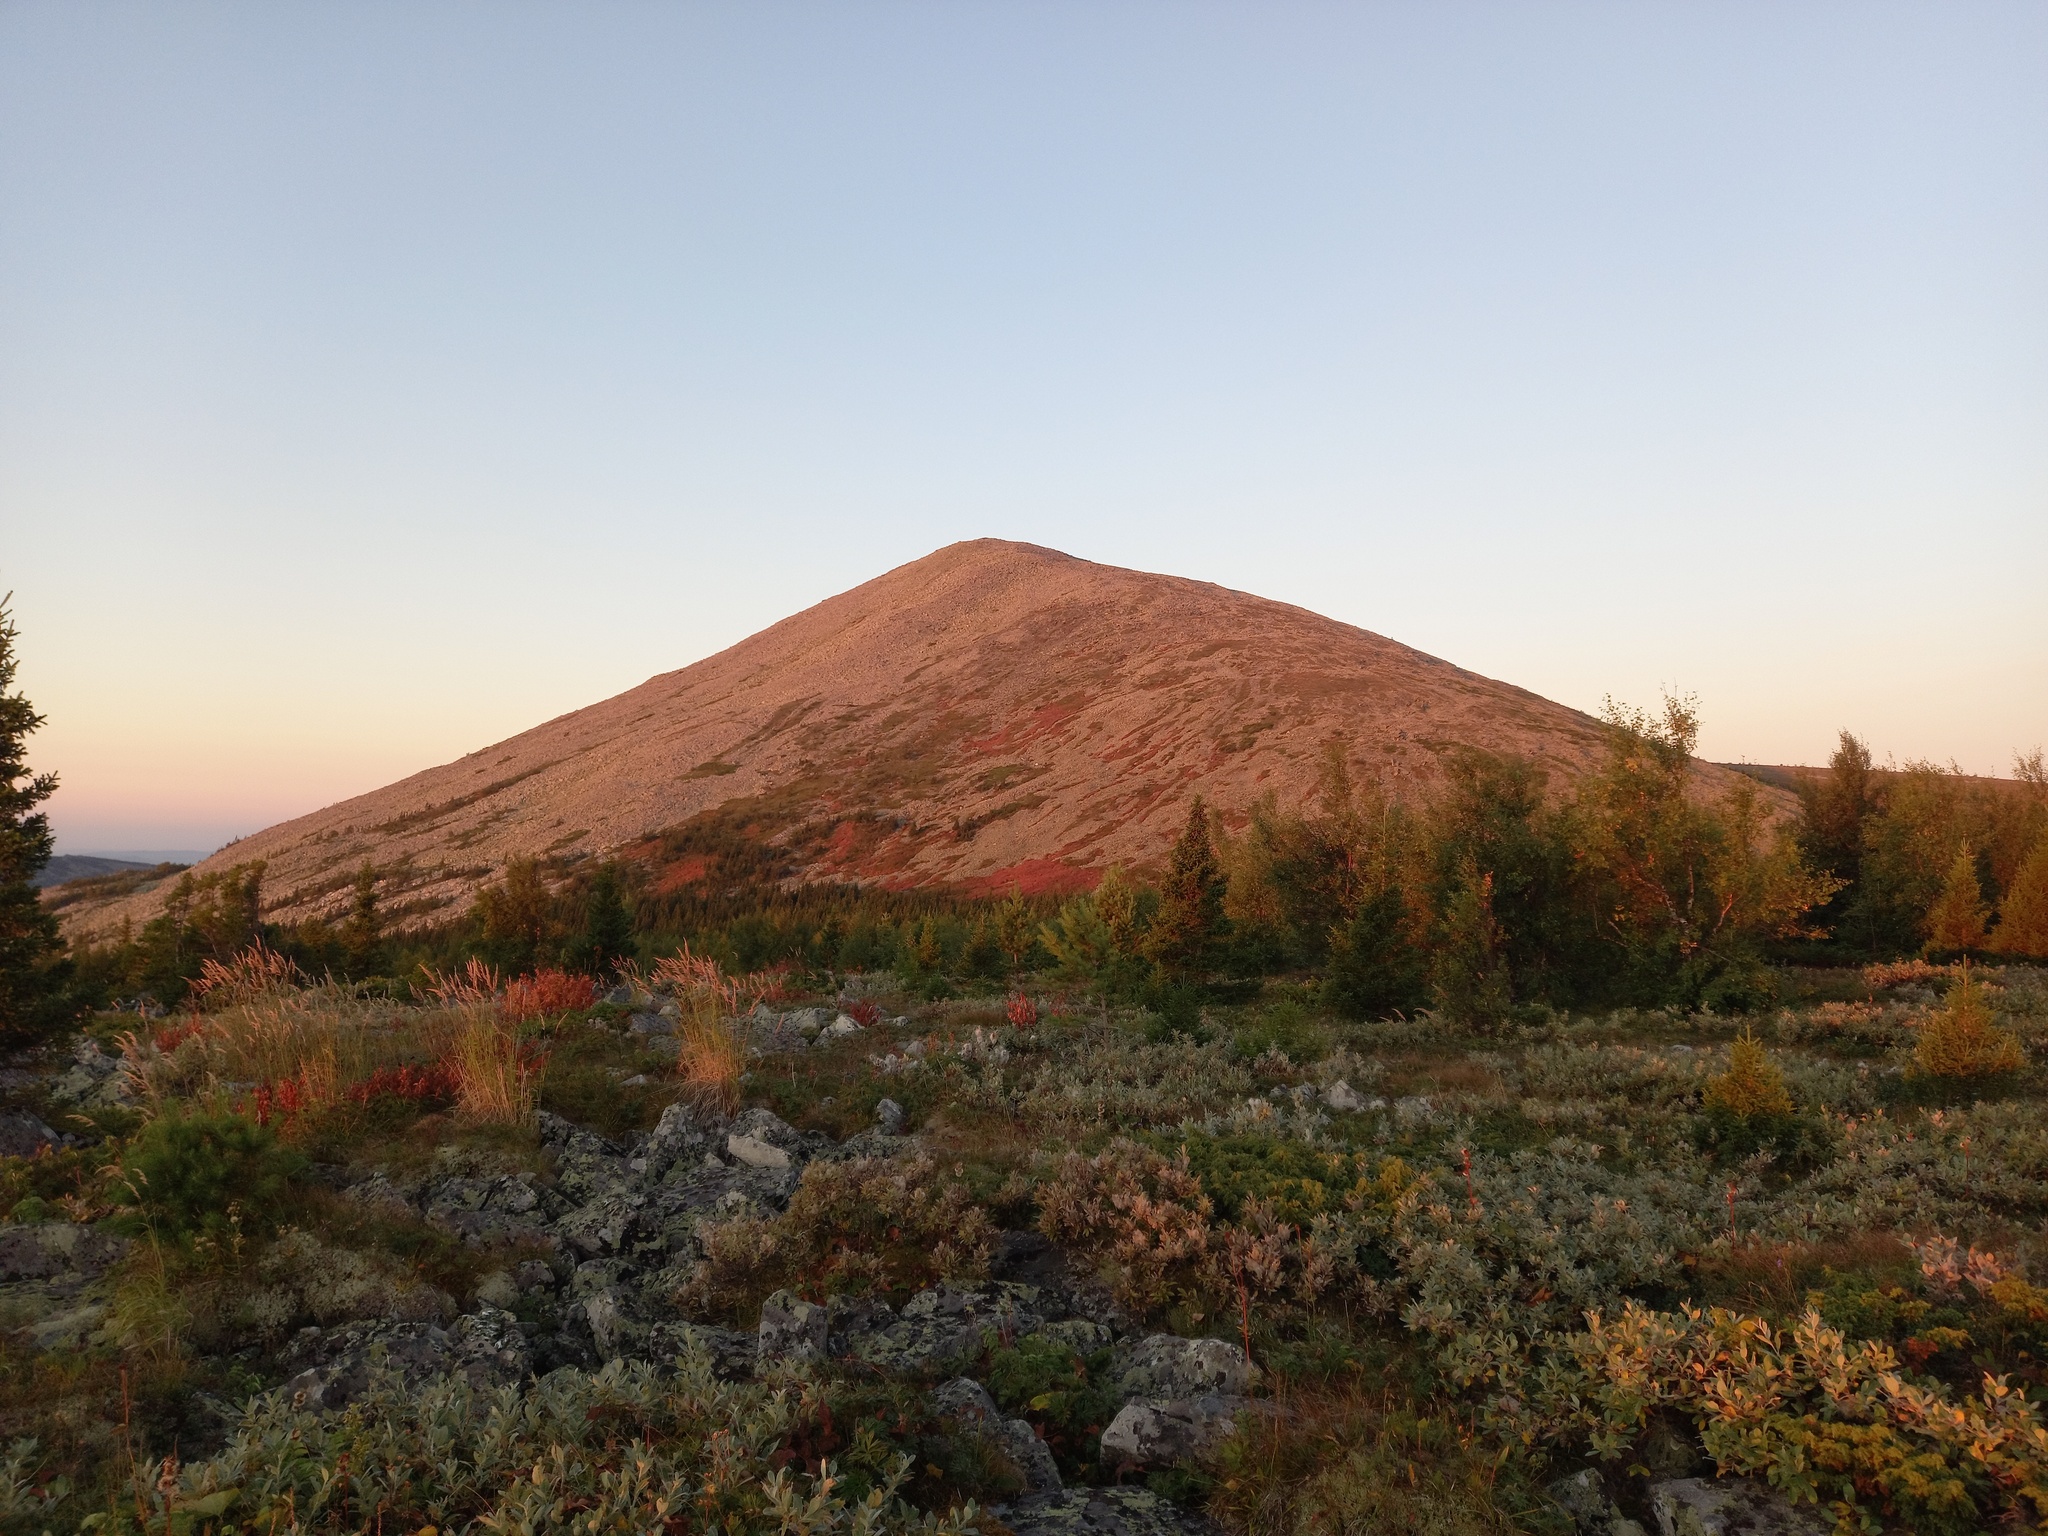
(23, 1135)
(492, 1208)
(1164, 1366)
(840, 1028)
(1700, 1506)
(57, 1251)
(651, 1024)
(335, 1366)
(754, 1152)
(791, 1329)
(1158, 1432)
(681, 1137)
(730, 1352)
(966, 1401)
(1101, 1512)
(1343, 1098)
(95, 1078)
(942, 1329)
(889, 1118)
(498, 1289)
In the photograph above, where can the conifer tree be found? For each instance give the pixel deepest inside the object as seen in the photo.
(1374, 969)
(1955, 922)
(29, 940)
(1961, 1041)
(1469, 981)
(2023, 915)
(362, 936)
(1190, 925)
(607, 936)
(1752, 1086)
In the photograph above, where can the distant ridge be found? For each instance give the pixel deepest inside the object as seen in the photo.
(994, 713)
(82, 866)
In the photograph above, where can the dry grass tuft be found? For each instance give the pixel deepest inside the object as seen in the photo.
(496, 1082)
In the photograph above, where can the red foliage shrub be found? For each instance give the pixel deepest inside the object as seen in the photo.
(863, 1013)
(1023, 1012)
(172, 1036)
(547, 992)
(434, 1084)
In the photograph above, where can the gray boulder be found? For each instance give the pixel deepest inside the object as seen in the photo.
(94, 1080)
(23, 1135)
(966, 1401)
(57, 1251)
(889, 1118)
(680, 1138)
(1698, 1506)
(754, 1152)
(1158, 1432)
(336, 1366)
(941, 1329)
(1101, 1512)
(791, 1329)
(1164, 1366)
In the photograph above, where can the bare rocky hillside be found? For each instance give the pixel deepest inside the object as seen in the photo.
(992, 713)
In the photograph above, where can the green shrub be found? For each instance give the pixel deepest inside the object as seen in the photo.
(1062, 1392)
(1286, 1027)
(184, 1175)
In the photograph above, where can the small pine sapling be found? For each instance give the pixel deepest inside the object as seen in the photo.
(1961, 1042)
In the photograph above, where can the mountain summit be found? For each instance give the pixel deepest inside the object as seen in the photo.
(990, 714)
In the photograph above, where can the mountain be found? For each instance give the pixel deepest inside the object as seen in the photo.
(994, 713)
(81, 866)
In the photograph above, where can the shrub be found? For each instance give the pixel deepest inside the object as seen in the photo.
(1065, 1394)
(1960, 1040)
(185, 1175)
(545, 993)
(1752, 1087)
(866, 1225)
(1140, 1217)
(630, 1447)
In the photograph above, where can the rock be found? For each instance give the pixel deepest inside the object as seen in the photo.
(1163, 1366)
(23, 1135)
(1101, 1512)
(942, 1329)
(1584, 1497)
(889, 1118)
(57, 1250)
(682, 1135)
(1158, 1432)
(1343, 1098)
(95, 1078)
(498, 1289)
(671, 1010)
(754, 1152)
(651, 1024)
(492, 1208)
(1078, 1334)
(619, 997)
(610, 1329)
(1699, 1506)
(335, 1366)
(808, 1022)
(532, 1275)
(966, 1401)
(791, 1329)
(840, 1028)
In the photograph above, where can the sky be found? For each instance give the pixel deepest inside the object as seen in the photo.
(379, 380)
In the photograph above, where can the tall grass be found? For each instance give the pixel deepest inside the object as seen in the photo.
(712, 1037)
(496, 1081)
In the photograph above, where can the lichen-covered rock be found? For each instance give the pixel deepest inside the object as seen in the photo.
(1077, 1334)
(791, 1329)
(966, 1401)
(1158, 1432)
(681, 1138)
(1101, 1512)
(492, 1208)
(334, 1366)
(1164, 1366)
(732, 1353)
(95, 1079)
(889, 1118)
(941, 1329)
(1698, 1506)
(754, 1152)
(57, 1251)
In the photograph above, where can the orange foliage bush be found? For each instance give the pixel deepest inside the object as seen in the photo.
(547, 992)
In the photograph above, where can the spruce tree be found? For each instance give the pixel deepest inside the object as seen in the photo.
(1955, 923)
(2023, 915)
(30, 985)
(607, 936)
(1190, 926)
(362, 936)
(1374, 969)
(1469, 980)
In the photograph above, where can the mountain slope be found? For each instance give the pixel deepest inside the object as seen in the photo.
(994, 712)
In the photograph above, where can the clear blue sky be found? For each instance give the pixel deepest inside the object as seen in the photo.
(378, 380)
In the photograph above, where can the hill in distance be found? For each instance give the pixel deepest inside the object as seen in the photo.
(993, 714)
(82, 866)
